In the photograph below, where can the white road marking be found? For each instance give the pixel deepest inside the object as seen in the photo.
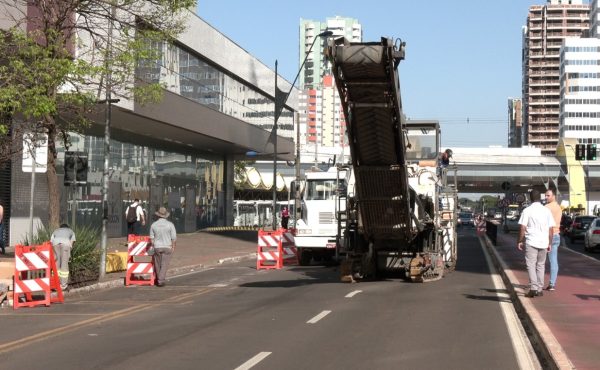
(524, 352)
(253, 361)
(191, 273)
(217, 285)
(352, 294)
(581, 254)
(315, 319)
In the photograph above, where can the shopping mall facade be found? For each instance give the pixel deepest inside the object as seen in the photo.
(179, 153)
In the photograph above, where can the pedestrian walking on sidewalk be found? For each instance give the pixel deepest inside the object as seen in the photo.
(134, 215)
(535, 235)
(554, 208)
(62, 240)
(163, 236)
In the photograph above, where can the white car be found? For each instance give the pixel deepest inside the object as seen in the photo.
(591, 239)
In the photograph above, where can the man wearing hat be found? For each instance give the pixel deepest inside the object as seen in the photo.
(163, 236)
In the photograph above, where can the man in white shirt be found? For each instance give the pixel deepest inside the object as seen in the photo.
(536, 236)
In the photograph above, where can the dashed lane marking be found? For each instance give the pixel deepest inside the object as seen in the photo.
(352, 294)
(316, 319)
(253, 361)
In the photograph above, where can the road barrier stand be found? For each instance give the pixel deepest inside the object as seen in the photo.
(36, 275)
(480, 227)
(140, 261)
(288, 247)
(275, 249)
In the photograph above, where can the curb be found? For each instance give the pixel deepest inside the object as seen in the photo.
(173, 271)
(547, 347)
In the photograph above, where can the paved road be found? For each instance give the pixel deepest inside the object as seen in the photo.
(296, 318)
(578, 246)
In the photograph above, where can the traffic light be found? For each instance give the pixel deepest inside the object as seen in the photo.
(591, 152)
(580, 152)
(76, 168)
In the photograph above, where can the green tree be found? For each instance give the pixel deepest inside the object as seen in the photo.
(61, 57)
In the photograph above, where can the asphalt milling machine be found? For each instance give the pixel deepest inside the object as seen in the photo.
(401, 215)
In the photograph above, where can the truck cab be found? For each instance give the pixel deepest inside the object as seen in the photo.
(321, 201)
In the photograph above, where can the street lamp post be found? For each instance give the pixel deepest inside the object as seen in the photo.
(280, 99)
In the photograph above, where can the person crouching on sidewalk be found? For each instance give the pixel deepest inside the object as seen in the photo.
(163, 236)
(535, 234)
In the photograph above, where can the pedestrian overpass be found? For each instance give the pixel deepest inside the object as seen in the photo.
(516, 170)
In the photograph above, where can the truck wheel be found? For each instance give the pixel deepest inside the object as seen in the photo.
(304, 257)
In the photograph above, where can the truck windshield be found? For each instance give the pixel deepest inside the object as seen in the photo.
(320, 189)
(423, 144)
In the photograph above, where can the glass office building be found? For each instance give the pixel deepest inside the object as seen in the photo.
(178, 153)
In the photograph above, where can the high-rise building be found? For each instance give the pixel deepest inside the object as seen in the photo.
(316, 65)
(547, 26)
(579, 86)
(594, 19)
(321, 116)
(515, 123)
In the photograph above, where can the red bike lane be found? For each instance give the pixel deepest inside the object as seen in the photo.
(571, 313)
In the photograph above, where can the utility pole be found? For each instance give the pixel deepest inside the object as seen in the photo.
(276, 115)
(297, 186)
(105, 172)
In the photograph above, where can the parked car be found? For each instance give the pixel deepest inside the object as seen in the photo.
(591, 240)
(511, 224)
(466, 219)
(579, 226)
(565, 224)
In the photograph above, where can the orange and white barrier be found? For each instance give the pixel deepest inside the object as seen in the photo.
(275, 249)
(35, 272)
(140, 264)
(481, 227)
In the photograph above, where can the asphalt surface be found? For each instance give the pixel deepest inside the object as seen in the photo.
(295, 318)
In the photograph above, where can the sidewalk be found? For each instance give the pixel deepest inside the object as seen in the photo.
(566, 322)
(194, 251)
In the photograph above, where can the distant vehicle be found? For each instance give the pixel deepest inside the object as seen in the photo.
(511, 224)
(591, 239)
(466, 219)
(579, 226)
(565, 224)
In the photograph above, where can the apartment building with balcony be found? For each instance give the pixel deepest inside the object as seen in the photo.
(321, 116)
(547, 26)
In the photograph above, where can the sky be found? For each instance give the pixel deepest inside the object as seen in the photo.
(463, 57)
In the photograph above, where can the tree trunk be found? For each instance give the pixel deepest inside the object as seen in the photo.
(53, 190)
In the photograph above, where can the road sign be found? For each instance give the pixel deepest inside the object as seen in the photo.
(37, 148)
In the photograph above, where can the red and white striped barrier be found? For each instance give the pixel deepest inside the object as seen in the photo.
(140, 264)
(481, 227)
(288, 247)
(275, 249)
(35, 272)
